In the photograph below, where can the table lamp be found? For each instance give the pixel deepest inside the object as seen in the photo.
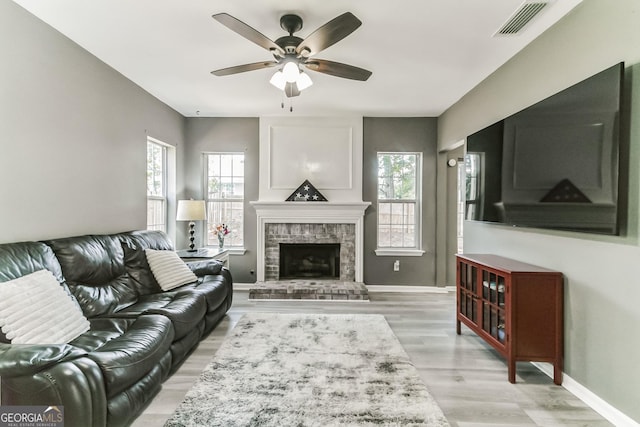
(191, 210)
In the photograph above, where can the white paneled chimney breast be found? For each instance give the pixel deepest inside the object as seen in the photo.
(327, 151)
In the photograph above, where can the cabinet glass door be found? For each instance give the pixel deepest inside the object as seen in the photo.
(493, 300)
(468, 286)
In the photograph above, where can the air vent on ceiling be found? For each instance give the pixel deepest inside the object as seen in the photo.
(525, 13)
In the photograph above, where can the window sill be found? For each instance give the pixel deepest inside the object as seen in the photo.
(399, 252)
(235, 250)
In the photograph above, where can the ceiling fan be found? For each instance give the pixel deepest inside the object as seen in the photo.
(292, 52)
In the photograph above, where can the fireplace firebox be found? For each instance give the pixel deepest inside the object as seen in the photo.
(309, 260)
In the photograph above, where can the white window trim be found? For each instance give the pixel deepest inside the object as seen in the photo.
(170, 188)
(417, 251)
(399, 252)
(165, 180)
(236, 250)
(232, 250)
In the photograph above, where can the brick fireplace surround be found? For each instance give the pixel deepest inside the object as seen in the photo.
(310, 222)
(343, 234)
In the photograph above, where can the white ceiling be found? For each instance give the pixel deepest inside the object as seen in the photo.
(424, 54)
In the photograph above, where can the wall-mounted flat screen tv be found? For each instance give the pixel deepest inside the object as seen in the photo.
(553, 165)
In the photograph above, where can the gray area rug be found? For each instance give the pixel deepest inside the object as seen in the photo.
(309, 370)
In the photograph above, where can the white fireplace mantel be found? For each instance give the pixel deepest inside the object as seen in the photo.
(312, 213)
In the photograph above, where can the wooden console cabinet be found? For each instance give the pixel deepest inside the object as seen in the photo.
(515, 307)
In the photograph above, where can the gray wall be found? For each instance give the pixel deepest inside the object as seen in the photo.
(602, 348)
(400, 134)
(226, 134)
(380, 134)
(72, 136)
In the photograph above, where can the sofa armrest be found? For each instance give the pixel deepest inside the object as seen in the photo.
(202, 268)
(77, 384)
(23, 359)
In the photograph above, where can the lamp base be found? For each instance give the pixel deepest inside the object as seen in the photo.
(192, 231)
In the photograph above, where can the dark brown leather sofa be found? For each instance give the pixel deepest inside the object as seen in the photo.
(138, 336)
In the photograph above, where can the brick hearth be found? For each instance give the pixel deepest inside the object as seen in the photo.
(309, 290)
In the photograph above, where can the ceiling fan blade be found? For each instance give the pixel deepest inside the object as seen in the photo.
(243, 68)
(329, 34)
(291, 90)
(247, 32)
(338, 69)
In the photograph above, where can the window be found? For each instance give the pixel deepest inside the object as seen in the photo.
(224, 181)
(461, 206)
(399, 201)
(473, 184)
(156, 186)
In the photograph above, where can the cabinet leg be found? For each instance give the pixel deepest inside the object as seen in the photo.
(458, 331)
(511, 368)
(557, 374)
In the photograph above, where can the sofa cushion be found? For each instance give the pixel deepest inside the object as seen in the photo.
(93, 267)
(20, 259)
(215, 289)
(143, 239)
(184, 309)
(168, 269)
(202, 268)
(35, 309)
(126, 349)
(134, 243)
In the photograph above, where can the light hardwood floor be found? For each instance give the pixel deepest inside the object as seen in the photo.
(466, 377)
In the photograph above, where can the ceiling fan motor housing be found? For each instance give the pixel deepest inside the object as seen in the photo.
(289, 44)
(291, 23)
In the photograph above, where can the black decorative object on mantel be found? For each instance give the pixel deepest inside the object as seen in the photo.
(306, 193)
(565, 192)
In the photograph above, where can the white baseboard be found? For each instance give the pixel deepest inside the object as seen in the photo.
(611, 414)
(411, 289)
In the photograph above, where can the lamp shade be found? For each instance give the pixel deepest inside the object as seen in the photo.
(304, 81)
(290, 71)
(191, 210)
(278, 80)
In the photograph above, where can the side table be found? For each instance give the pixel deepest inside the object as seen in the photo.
(220, 254)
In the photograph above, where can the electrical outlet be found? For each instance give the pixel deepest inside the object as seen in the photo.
(396, 265)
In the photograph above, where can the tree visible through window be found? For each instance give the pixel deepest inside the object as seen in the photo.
(224, 180)
(156, 186)
(398, 200)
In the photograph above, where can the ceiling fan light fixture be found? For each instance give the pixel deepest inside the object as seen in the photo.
(303, 81)
(291, 71)
(291, 52)
(278, 80)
